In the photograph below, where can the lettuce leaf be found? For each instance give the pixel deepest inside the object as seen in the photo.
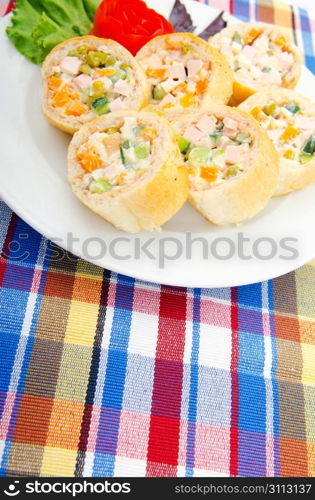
(39, 25)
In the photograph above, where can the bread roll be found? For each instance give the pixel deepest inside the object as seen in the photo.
(232, 163)
(262, 56)
(289, 120)
(185, 73)
(126, 167)
(86, 77)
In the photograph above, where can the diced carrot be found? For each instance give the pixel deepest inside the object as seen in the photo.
(76, 108)
(60, 99)
(201, 87)
(171, 44)
(257, 113)
(89, 160)
(64, 96)
(187, 100)
(105, 71)
(289, 133)
(148, 134)
(209, 174)
(251, 36)
(156, 73)
(181, 87)
(54, 82)
(283, 43)
(289, 153)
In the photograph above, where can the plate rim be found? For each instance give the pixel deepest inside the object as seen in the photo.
(146, 276)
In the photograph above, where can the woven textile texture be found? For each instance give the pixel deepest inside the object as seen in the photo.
(103, 375)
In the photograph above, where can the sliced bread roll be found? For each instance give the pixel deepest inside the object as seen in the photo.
(262, 56)
(185, 73)
(289, 120)
(127, 168)
(232, 163)
(86, 77)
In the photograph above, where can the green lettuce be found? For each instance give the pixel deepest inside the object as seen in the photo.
(39, 25)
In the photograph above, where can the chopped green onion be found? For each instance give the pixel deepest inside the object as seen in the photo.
(142, 151)
(101, 106)
(122, 155)
(119, 75)
(183, 144)
(305, 158)
(158, 93)
(237, 38)
(100, 186)
(126, 144)
(292, 107)
(220, 125)
(266, 70)
(243, 139)
(309, 146)
(200, 155)
(215, 137)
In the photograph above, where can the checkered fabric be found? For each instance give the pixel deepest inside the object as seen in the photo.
(103, 375)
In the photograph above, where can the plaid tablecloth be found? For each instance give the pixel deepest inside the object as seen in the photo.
(102, 375)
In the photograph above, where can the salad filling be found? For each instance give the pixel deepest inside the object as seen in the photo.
(178, 74)
(117, 156)
(291, 130)
(257, 55)
(90, 82)
(215, 150)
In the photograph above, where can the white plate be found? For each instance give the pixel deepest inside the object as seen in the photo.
(33, 183)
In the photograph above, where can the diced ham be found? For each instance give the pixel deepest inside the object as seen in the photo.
(122, 87)
(191, 86)
(275, 134)
(192, 134)
(116, 104)
(206, 124)
(285, 61)
(193, 66)
(305, 123)
(233, 154)
(230, 123)
(261, 43)
(70, 65)
(177, 70)
(83, 81)
(168, 99)
(249, 52)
